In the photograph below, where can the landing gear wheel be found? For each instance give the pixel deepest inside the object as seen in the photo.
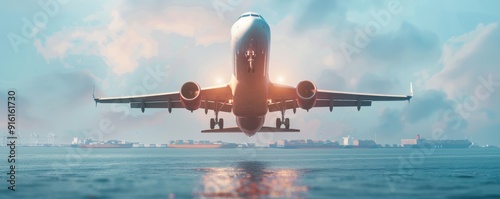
(287, 123)
(217, 121)
(278, 123)
(212, 123)
(221, 123)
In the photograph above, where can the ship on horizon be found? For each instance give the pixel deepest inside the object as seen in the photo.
(322, 144)
(419, 142)
(89, 143)
(202, 144)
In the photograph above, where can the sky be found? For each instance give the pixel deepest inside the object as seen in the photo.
(55, 52)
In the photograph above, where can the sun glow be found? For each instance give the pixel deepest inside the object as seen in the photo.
(219, 80)
(281, 79)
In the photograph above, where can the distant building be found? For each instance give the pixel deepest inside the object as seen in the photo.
(348, 141)
(75, 140)
(280, 143)
(409, 142)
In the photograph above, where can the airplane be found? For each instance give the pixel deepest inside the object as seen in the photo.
(250, 95)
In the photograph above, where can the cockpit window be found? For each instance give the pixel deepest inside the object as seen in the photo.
(245, 15)
(250, 14)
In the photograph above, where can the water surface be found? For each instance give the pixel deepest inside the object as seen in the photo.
(54, 172)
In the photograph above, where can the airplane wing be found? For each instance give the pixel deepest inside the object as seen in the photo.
(285, 97)
(211, 98)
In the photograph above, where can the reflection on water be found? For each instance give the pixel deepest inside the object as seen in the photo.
(250, 180)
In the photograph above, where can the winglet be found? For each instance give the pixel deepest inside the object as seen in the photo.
(411, 92)
(411, 89)
(93, 96)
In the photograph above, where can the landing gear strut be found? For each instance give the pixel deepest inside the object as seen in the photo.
(250, 54)
(217, 121)
(283, 120)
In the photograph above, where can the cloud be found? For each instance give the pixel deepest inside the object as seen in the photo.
(376, 83)
(316, 13)
(399, 52)
(69, 89)
(123, 41)
(426, 104)
(330, 79)
(390, 122)
(451, 95)
(465, 59)
(406, 45)
(56, 101)
(469, 77)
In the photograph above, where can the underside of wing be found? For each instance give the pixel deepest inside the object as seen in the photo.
(306, 96)
(160, 97)
(339, 95)
(190, 97)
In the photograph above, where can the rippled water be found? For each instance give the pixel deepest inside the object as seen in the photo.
(255, 173)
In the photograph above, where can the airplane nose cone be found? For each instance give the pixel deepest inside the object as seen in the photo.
(252, 25)
(257, 24)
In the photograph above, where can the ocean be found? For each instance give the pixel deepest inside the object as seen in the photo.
(60, 172)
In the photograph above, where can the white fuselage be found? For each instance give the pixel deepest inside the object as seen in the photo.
(250, 45)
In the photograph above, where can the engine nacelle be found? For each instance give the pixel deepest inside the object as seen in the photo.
(306, 94)
(190, 96)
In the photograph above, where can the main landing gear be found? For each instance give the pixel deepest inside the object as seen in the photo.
(282, 121)
(216, 121)
(285, 122)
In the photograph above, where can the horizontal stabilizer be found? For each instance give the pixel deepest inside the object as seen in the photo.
(264, 129)
(267, 129)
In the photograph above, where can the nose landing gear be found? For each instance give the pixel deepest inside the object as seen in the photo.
(250, 54)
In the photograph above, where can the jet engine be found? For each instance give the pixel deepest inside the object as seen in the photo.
(190, 96)
(306, 94)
